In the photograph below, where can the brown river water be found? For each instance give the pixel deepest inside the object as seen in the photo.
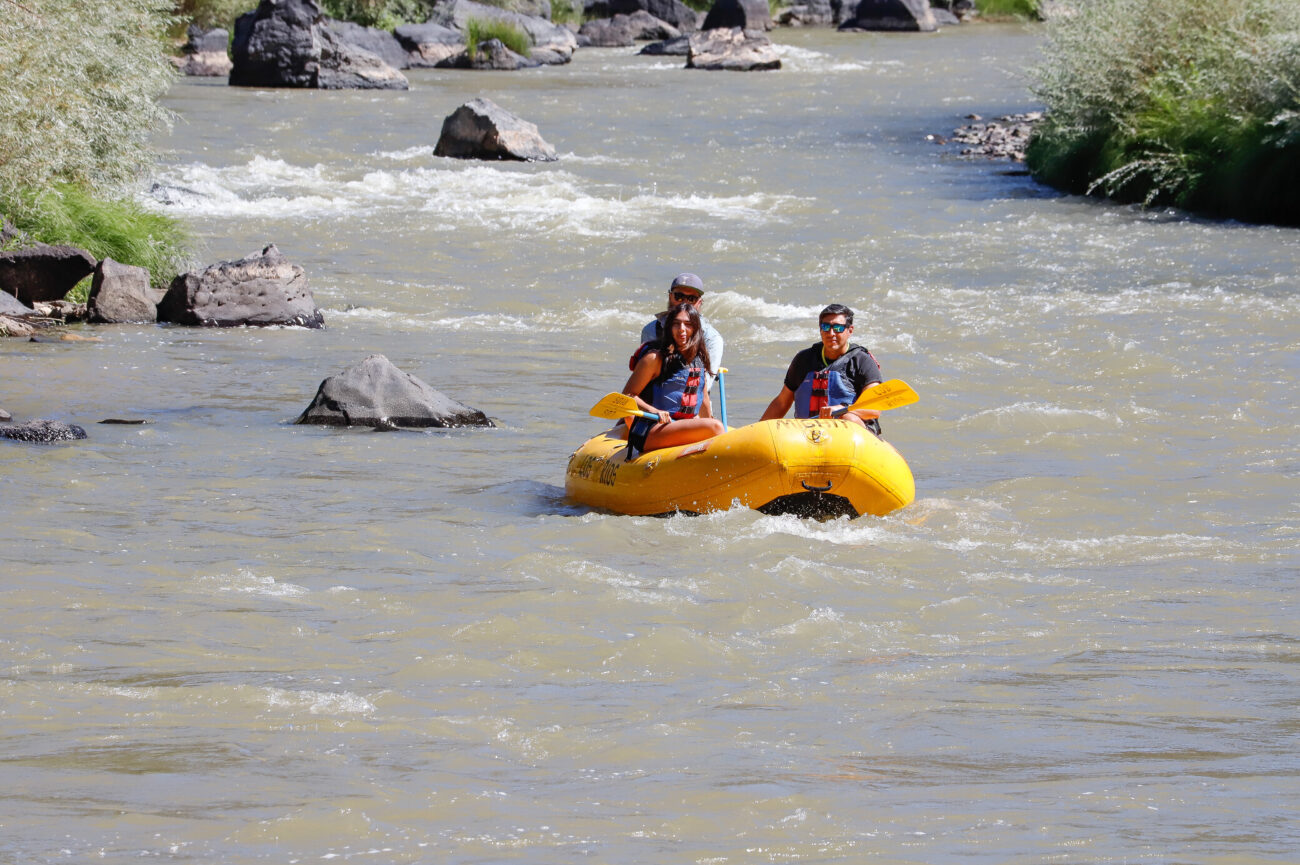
(229, 639)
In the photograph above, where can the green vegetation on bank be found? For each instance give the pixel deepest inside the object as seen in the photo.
(993, 9)
(480, 30)
(79, 88)
(1191, 103)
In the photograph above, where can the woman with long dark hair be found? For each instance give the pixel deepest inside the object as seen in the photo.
(669, 380)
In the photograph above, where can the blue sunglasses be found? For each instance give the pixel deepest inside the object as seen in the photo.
(827, 327)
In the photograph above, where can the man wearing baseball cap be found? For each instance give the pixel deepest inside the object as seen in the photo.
(686, 288)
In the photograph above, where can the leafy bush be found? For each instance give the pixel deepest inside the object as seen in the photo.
(212, 13)
(1194, 103)
(79, 84)
(480, 30)
(367, 13)
(564, 11)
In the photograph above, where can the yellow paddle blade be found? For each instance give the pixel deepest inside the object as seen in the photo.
(890, 394)
(616, 406)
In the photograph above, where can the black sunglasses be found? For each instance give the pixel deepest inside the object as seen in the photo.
(685, 297)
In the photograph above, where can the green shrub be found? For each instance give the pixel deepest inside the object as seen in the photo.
(79, 84)
(367, 13)
(564, 11)
(1026, 9)
(121, 229)
(212, 13)
(480, 30)
(79, 88)
(1193, 103)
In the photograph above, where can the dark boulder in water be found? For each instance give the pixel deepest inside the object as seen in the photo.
(375, 393)
(42, 272)
(261, 289)
(481, 129)
(42, 432)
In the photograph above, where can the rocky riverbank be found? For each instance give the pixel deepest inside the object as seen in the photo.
(1004, 137)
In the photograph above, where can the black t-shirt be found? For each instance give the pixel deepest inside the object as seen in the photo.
(860, 368)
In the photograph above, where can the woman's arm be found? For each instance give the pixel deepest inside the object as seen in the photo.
(646, 369)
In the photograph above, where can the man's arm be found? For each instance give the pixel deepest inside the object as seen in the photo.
(778, 407)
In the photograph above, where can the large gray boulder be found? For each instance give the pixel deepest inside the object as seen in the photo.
(287, 43)
(121, 294)
(606, 33)
(732, 50)
(430, 44)
(552, 44)
(42, 432)
(384, 45)
(904, 15)
(10, 305)
(376, 393)
(745, 14)
(43, 273)
(481, 129)
(261, 289)
(674, 12)
(622, 30)
(811, 13)
(204, 53)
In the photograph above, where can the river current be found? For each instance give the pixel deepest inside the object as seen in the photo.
(232, 639)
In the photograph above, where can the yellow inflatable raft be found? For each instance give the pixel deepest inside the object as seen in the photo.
(814, 467)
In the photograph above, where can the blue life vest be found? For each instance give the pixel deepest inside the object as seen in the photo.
(829, 386)
(676, 389)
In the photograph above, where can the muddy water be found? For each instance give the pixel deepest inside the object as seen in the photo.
(231, 639)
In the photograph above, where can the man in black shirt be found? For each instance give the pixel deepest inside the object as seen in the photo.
(829, 375)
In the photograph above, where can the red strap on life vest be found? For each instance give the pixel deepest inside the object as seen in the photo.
(820, 392)
(690, 400)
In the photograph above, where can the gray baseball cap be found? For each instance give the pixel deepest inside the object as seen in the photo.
(687, 280)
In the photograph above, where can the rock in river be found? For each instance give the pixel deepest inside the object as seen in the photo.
(376, 393)
(261, 289)
(481, 129)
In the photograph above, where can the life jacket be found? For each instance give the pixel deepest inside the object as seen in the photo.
(676, 389)
(829, 386)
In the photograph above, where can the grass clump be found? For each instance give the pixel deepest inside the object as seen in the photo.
(480, 30)
(118, 228)
(1190, 103)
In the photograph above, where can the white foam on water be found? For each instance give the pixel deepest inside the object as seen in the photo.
(319, 702)
(795, 58)
(1039, 410)
(534, 198)
(248, 583)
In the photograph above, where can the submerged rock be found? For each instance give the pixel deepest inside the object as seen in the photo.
(375, 393)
